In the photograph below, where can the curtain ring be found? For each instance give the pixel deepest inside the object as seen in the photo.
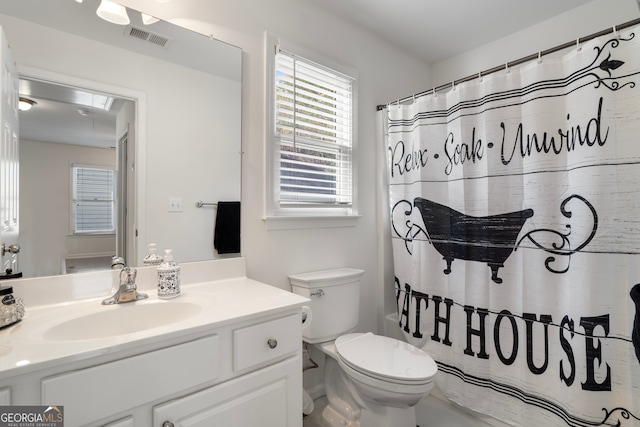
(480, 76)
(539, 57)
(578, 47)
(506, 68)
(435, 95)
(615, 32)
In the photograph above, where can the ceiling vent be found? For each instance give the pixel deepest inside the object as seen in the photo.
(148, 36)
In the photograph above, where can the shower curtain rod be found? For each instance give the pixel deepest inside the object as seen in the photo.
(516, 62)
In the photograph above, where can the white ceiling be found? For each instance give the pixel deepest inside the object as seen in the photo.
(438, 29)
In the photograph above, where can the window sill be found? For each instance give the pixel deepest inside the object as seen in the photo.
(297, 222)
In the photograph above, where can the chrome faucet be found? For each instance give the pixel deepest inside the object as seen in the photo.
(128, 290)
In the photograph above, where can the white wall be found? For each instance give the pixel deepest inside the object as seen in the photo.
(384, 73)
(45, 188)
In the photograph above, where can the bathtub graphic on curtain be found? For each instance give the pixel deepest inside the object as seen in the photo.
(488, 239)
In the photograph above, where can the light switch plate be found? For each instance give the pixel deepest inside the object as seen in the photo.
(175, 204)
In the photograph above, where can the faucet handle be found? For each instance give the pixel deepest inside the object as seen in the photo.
(128, 276)
(127, 291)
(117, 262)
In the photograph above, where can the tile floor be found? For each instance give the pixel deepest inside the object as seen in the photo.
(315, 418)
(431, 412)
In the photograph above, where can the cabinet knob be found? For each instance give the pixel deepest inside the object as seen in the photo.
(272, 342)
(167, 424)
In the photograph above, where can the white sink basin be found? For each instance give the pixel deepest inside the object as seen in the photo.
(121, 319)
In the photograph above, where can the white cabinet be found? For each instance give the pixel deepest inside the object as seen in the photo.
(262, 398)
(133, 381)
(259, 344)
(236, 374)
(270, 395)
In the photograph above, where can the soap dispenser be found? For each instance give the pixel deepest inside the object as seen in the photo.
(168, 277)
(152, 258)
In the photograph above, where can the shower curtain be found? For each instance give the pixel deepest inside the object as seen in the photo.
(515, 222)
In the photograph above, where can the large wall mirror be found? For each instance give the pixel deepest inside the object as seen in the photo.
(158, 104)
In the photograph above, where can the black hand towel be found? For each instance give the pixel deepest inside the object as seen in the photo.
(226, 236)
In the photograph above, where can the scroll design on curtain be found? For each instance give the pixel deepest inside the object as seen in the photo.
(591, 73)
(514, 218)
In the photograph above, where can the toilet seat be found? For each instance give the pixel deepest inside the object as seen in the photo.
(385, 359)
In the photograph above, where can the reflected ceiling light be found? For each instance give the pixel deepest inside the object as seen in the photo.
(79, 1)
(148, 19)
(25, 104)
(113, 12)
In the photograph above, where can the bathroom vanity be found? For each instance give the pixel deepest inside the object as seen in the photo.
(226, 352)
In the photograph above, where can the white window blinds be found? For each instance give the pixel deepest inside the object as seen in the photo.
(93, 200)
(313, 134)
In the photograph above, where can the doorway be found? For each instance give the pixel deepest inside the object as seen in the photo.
(73, 123)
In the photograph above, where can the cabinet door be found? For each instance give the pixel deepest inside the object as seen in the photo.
(132, 382)
(269, 397)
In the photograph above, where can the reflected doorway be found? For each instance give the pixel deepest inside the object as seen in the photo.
(71, 126)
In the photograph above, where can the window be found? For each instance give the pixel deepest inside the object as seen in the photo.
(93, 203)
(312, 137)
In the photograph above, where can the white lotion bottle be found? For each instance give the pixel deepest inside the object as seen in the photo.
(152, 258)
(168, 277)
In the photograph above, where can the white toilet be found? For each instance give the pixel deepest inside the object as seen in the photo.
(370, 380)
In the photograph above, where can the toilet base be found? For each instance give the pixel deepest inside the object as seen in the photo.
(346, 408)
(332, 418)
(378, 416)
(385, 416)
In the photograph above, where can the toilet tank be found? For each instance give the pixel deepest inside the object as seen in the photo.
(335, 302)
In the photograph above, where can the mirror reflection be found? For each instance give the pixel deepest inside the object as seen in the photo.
(74, 168)
(174, 111)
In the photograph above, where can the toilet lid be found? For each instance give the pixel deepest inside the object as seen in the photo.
(385, 357)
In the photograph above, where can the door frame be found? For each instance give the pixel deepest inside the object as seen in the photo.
(138, 227)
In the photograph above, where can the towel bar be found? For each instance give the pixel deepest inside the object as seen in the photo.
(200, 204)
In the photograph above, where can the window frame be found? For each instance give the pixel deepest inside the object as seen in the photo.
(72, 199)
(302, 217)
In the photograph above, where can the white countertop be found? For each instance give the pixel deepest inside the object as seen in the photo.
(28, 345)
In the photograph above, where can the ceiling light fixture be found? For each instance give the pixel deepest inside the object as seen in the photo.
(113, 12)
(25, 104)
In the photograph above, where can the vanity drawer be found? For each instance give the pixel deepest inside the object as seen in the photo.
(267, 341)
